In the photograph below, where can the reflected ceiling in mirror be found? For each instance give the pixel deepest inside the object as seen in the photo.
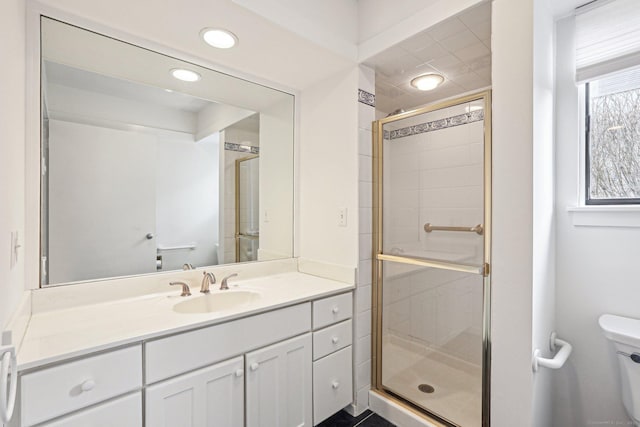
(143, 172)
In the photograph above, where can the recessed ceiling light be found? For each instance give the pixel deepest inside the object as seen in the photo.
(185, 75)
(217, 37)
(427, 81)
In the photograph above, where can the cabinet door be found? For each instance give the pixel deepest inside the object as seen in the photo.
(208, 397)
(279, 389)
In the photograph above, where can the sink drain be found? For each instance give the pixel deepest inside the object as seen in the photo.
(426, 388)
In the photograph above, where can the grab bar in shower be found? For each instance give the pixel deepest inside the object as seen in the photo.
(192, 246)
(479, 229)
(558, 360)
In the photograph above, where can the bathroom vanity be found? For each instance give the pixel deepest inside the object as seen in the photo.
(280, 358)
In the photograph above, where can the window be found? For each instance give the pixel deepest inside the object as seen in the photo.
(613, 139)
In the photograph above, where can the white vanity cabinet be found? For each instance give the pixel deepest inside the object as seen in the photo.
(213, 396)
(288, 367)
(279, 384)
(332, 355)
(60, 389)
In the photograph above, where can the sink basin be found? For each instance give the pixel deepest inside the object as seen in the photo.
(218, 301)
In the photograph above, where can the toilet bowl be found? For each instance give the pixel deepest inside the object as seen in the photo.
(624, 333)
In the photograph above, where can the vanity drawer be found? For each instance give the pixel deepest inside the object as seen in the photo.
(332, 384)
(123, 412)
(328, 340)
(332, 310)
(171, 356)
(64, 388)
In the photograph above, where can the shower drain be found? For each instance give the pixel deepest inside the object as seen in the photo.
(426, 388)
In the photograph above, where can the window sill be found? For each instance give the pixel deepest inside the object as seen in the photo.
(605, 216)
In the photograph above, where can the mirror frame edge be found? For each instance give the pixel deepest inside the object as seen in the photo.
(33, 163)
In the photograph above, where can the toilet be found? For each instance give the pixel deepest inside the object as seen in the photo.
(624, 333)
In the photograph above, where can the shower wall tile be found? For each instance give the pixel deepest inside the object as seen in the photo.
(363, 373)
(365, 220)
(366, 116)
(363, 298)
(362, 320)
(366, 194)
(364, 273)
(365, 168)
(364, 324)
(365, 246)
(365, 143)
(363, 349)
(367, 80)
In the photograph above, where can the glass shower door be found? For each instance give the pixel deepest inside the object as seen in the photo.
(431, 292)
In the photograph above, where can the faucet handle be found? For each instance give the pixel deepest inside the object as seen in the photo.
(187, 266)
(185, 288)
(223, 285)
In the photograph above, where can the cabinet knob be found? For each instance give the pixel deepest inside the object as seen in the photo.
(335, 310)
(88, 385)
(335, 340)
(254, 366)
(240, 372)
(335, 385)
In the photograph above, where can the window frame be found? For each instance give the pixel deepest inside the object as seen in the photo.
(588, 201)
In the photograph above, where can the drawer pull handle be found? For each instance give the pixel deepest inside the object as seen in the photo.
(88, 385)
(335, 340)
(240, 372)
(254, 366)
(335, 385)
(335, 310)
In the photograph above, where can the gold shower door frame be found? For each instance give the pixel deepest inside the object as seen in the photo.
(378, 258)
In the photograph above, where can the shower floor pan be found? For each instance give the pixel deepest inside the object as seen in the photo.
(457, 385)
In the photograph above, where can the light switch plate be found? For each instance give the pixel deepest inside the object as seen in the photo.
(342, 217)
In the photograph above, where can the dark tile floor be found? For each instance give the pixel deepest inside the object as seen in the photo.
(366, 419)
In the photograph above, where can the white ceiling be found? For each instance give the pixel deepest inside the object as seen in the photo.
(94, 82)
(459, 48)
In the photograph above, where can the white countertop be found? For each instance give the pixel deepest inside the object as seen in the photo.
(55, 335)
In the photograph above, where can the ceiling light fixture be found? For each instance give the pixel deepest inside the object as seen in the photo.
(427, 81)
(185, 75)
(217, 37)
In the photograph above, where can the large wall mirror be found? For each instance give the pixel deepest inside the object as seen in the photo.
(143, 172)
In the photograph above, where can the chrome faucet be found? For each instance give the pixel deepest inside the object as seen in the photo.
(207, 279)
(223, 285)
(185, 288)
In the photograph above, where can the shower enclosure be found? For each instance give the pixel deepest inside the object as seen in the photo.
(247, 215)
(432, 229)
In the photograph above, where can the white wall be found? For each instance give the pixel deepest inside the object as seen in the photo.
(329, 169)
(187, 199)
(544, 238)
(512, 251)
(596, 272)
(12, 136)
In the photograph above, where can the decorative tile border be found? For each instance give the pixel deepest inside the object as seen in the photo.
(366, 98)
(460, 119)
(241, 148)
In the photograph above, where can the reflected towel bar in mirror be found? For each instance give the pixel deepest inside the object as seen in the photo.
(175, 248)
(479, 229)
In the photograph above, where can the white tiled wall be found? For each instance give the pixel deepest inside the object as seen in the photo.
(362, 359)
(434, 177)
